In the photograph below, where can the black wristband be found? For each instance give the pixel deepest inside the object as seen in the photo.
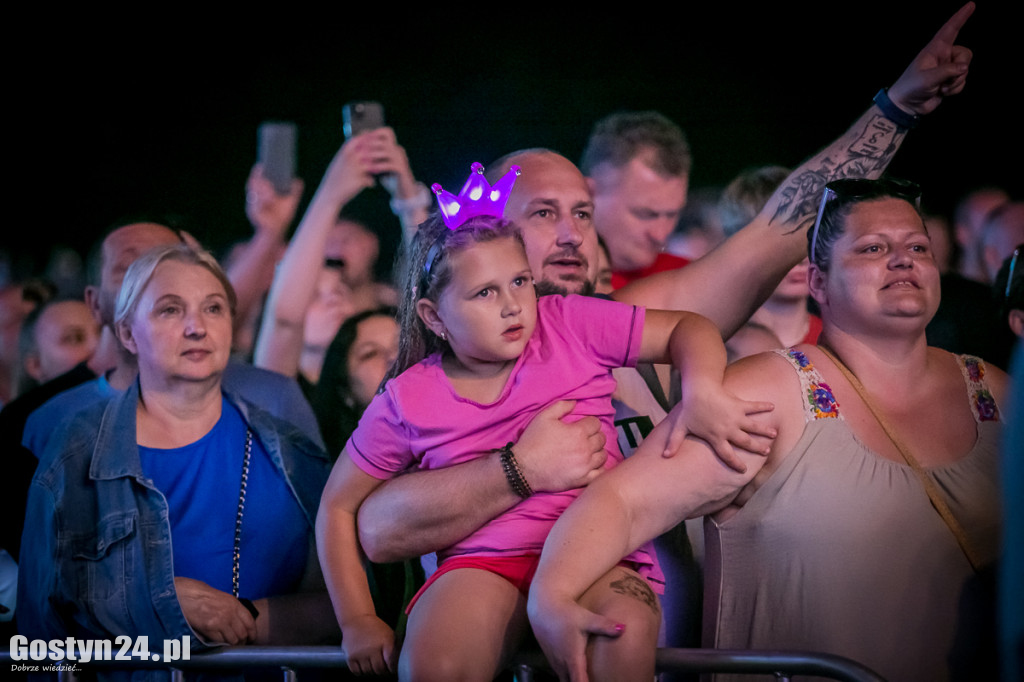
(250, 607)
(892, 112)
(513, 473)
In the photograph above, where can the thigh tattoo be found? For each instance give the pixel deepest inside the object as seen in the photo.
(637, 588)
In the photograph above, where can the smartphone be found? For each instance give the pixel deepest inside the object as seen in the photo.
(358, 117)
(277, 153)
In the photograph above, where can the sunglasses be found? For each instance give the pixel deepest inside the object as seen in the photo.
(862, 188)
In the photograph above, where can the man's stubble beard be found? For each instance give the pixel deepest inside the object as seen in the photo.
(548, 288)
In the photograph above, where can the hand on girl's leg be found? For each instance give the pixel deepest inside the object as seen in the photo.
(627, 599)
(564, 631)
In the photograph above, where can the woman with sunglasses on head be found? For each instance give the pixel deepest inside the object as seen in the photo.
(870, 528)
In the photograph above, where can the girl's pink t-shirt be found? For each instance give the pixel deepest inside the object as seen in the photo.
(420, 422)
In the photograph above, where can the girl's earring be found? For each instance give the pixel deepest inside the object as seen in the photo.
(444, 335)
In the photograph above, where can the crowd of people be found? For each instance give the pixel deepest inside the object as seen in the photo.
(550, 428)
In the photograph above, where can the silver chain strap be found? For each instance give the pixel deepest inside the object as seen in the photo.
(238, 517)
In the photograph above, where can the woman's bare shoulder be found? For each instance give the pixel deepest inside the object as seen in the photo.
(772, 377)
(999, 383)
(765, 376)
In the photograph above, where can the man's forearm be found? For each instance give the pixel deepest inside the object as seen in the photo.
(425, 511)
(251, 271)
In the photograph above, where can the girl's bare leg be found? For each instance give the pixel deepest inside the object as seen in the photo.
(466, 626)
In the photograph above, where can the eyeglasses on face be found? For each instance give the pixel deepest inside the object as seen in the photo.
(856, 188)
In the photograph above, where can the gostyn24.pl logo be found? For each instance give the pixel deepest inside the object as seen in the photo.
(122, 648)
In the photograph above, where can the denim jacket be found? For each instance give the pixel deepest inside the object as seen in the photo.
(96, 557)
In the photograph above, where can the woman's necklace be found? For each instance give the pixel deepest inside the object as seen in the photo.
(237, 554)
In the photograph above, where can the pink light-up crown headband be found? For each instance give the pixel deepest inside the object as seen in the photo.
(477, 198)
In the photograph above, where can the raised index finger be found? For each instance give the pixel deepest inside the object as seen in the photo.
(951, 29)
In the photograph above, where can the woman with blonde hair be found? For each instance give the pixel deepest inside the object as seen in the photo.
(176, 508)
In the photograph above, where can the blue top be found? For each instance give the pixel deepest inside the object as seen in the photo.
(97, 559)
(201, 482)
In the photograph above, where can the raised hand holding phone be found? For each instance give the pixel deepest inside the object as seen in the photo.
(277, 153)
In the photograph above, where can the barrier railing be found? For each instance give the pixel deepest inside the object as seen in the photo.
(782, 664)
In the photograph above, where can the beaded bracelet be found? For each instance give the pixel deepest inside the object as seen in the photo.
(893, 112)
(513, 473)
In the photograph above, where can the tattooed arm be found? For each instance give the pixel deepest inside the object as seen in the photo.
(728, 284)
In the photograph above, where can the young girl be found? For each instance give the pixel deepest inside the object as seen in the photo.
(480, 356)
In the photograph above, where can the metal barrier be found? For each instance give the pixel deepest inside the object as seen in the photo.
(782, 664)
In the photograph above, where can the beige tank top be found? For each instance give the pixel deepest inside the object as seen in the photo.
(840, 550)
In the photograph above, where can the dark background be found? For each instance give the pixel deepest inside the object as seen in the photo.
(124, 114)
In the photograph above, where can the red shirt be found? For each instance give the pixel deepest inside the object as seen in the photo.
(664, 261)
(813, 330)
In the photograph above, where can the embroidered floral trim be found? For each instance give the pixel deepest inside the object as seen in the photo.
(975, 370)
(821, 403)
(801, 360)
(982, 402)
(985, 406)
